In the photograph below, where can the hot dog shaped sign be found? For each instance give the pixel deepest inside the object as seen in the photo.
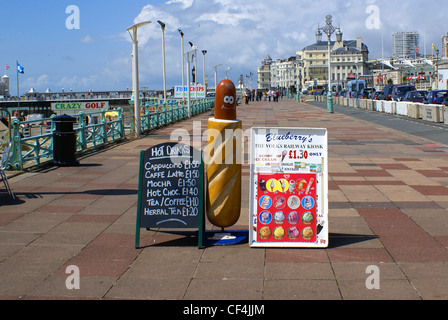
(224, 174)
(225, 101)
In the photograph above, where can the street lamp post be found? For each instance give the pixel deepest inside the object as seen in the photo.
(329, 29)
(183, 65)
(135, 81)
(437, 69)
(163, 59)
(195, 73)
(187, 57)
(203, 71)
(216, 74)
(195, 49)
(228, 69)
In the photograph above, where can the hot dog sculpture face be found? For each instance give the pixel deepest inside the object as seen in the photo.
(225, 101)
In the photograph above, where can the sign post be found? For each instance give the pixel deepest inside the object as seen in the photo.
(288, 188)
(171, 189)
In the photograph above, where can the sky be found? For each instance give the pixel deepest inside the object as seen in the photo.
(83, 45)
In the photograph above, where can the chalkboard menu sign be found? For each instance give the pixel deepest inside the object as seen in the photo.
(170, 187)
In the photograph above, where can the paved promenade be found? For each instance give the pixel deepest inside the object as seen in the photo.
(388, 200)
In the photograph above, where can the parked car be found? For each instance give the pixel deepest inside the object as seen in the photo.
(386, 92)
(435, 96)
(376, 95)
(342, 93)
(398, 92)
(367, 93)
(415, 96)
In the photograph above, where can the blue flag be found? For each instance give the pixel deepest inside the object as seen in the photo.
(20, 68)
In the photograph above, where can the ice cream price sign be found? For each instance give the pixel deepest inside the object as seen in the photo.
(171, 183)
(289, 188)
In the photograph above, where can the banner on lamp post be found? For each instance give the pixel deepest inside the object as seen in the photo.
(197, 92)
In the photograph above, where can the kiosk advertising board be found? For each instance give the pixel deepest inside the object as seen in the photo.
(288, 188)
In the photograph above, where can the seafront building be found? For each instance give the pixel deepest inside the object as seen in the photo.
(4, 87)
(444, 46)
(310, 66)
(284, 73)
(264, 74)
(405, 44)
(350, 61)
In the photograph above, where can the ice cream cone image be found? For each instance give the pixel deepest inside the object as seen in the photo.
(284, 153)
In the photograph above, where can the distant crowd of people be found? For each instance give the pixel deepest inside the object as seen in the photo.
(261, 95)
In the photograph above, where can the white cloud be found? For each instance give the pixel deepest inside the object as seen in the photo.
(38, 83)
(231, 13)
(241, 33)
(77, 82)
(153, 30)
(184, 3)
(87, 39)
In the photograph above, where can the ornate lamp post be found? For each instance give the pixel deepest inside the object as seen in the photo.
(329, 29)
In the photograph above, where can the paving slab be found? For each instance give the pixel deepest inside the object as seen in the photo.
(388, 202)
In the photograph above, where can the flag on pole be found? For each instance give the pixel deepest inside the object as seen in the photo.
(433, 47)
(6, 67)
(20, 69)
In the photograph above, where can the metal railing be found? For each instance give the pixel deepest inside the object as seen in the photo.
(32, 141)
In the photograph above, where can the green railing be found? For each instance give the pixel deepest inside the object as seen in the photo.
(159, 115)
(32, 141)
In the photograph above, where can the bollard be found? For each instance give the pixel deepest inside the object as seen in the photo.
(330, 102)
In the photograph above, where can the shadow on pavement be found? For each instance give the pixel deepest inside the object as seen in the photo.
(341, 239)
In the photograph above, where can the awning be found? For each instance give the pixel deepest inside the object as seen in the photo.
(351, 76)
(416, 78)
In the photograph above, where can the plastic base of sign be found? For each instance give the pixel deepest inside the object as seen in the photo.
(225, 238)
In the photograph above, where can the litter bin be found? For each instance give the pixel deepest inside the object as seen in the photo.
(64, 141)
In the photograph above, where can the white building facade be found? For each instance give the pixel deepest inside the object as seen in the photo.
(284, 73)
